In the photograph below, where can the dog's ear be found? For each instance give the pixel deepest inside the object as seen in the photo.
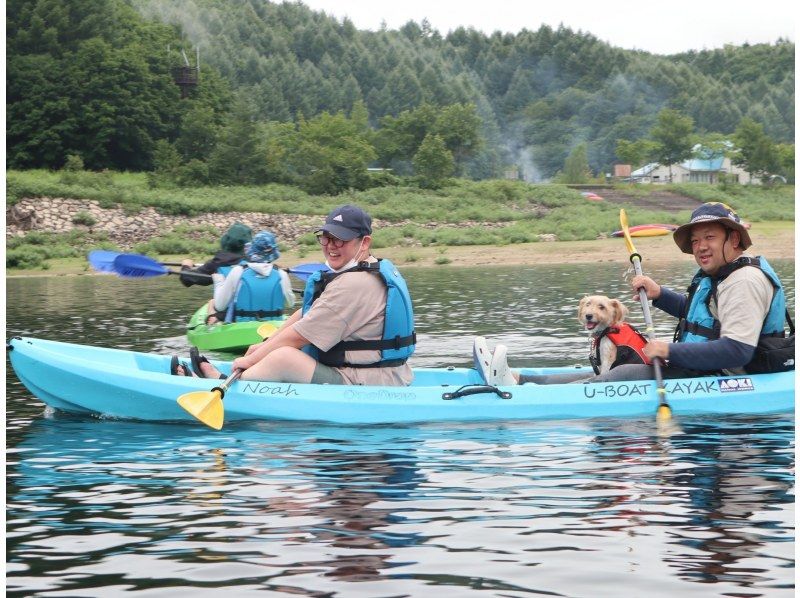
(620, 310)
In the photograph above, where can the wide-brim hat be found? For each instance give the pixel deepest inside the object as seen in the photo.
(347, 222)
(708, 213)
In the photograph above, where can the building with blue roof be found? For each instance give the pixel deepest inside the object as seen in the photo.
(705, 167)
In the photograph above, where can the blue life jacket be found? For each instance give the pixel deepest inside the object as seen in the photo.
(257, 298)
(698, 325)
(399, 338)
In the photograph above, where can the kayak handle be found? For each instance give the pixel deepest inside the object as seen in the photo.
(475, 390)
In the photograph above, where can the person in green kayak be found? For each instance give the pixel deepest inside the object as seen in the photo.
(231, 253)
(253, 289)
(356, 325)
(734, 305)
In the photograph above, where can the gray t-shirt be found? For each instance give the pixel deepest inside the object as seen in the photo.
(352, 307)
(743, 301)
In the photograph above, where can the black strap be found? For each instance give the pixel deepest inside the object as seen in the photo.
(258, 314)
(327, 277)
(728, 269)
(704, 331)
(470, 389)
(398, 342)
(594, 351)
(389, 363)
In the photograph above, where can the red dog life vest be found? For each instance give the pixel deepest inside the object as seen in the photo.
(629, 342)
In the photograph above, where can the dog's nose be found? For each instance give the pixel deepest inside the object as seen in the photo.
(589, 317)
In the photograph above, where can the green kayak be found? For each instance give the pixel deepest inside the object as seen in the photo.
(234, 337)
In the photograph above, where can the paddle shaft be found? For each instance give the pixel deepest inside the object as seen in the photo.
(228, 381)
(664, 410)
(188, 273)
(636, 260)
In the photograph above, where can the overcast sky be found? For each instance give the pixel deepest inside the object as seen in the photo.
(660, 27)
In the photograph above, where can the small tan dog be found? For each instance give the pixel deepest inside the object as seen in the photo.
(612, 341)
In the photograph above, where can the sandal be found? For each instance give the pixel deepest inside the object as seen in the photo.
(174, 364)
(197, 359)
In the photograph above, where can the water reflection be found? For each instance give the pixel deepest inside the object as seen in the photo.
(101, 507)
(292, 507)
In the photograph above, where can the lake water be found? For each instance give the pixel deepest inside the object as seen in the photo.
(572, 508)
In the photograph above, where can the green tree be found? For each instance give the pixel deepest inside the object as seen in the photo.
(636, 153)
(399, 138)
(755, 151)
(88, 77)
(198, 133)
(433, 162)
(520, 92)
(236, 159)
(672, 135)
(459, 127)
(275, 143)
(331, 154)
(786, 161)
(576, 166)
(166, 164)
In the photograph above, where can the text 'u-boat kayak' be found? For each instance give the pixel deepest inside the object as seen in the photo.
(131, 385)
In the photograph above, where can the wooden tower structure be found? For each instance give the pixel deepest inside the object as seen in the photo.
(187, 76)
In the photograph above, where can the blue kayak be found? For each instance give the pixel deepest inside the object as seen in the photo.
(106, 382)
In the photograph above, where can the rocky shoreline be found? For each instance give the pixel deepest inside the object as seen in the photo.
(126, 229)
(774, 240)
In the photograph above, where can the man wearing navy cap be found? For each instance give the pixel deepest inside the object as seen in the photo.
(356, 325)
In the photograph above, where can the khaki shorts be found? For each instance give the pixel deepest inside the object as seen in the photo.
(324, 374)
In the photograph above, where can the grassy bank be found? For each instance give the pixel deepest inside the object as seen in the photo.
(773, 239)
(464, 213)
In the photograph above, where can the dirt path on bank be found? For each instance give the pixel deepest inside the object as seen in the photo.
(775, 240)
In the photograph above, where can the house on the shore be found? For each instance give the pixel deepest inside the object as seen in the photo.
(706, 167)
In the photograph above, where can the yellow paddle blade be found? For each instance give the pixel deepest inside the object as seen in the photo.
(205, 405)
(266, 330)
(663, 413)
(623, 222)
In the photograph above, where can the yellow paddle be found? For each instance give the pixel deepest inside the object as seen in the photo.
(664, 411)
(206, 405)
(266, 330)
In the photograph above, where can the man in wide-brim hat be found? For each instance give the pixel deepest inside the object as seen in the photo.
(709, 213)
(733, 301)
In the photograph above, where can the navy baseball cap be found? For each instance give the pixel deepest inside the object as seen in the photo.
(711, 212)
(347, 222)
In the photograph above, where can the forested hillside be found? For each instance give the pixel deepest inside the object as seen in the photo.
(91, 78)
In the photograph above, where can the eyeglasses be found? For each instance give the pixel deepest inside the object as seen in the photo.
(324, 240)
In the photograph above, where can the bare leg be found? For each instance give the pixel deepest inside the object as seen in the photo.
(210, 310)
(285, 364)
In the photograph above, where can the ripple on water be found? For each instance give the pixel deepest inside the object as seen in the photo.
(576, 508)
